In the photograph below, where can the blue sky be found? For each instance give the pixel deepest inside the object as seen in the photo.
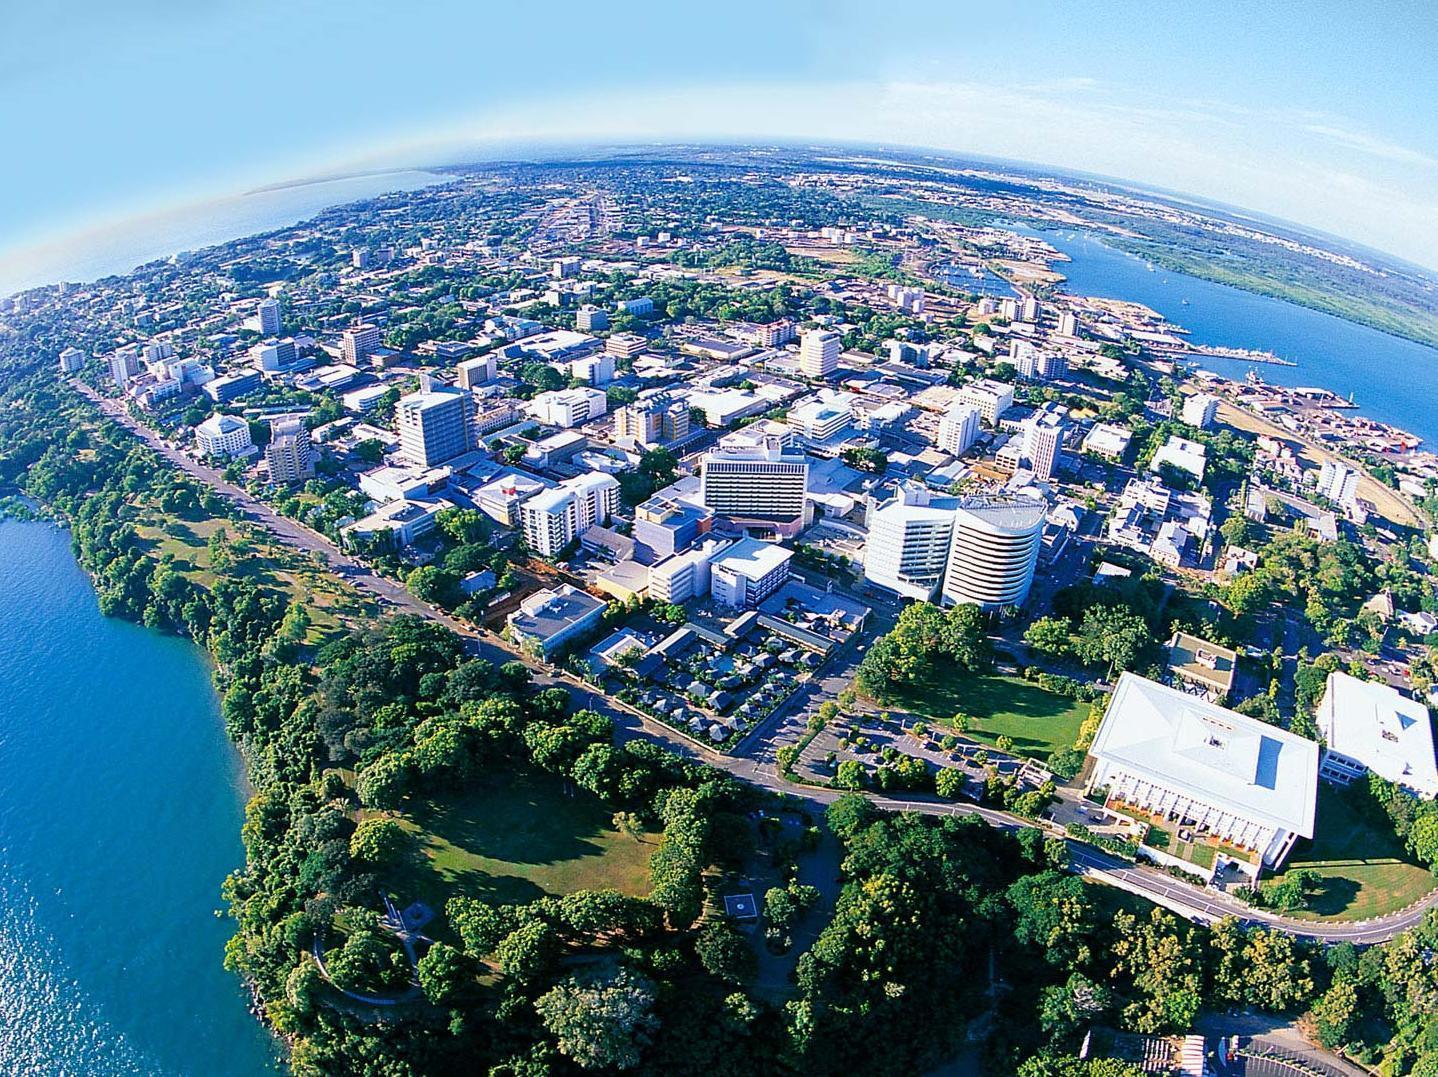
(1323, 113)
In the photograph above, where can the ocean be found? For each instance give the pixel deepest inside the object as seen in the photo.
(120, 809)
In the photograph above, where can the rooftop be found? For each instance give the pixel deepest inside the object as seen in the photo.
(1378, 726)
(1215, 755)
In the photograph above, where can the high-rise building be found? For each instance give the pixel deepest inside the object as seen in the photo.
(1029, 309)
(589, 318)
(1052, 364)
(552, 519)
(909, 541)
(289, 454)
(992, 398)
(124, 365)
(71, 361)
(1068, 324)
(475, 372)
(1200, 410)
(819, 352)
(763, 484)
(267, 312)
(1043, 442)
(434, 425)
(993, 552)
(959, 428)
(1337, 482)
(774, 334)
(359, 343)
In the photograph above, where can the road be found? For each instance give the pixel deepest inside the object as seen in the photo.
(756, 764)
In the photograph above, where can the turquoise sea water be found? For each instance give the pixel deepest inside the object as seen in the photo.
(120, 809)
(1390, 378)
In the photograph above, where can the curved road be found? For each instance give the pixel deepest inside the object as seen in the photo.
(1186, 899)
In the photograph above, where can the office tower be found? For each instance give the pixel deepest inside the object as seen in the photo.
(274, 355)
(625, 345)
(993, 552)
(819, 352)
(1200, 410)
(475, 372)
(71, 360)
(289, 454)
(434, 425)
(764, 483)
(359, 343)
(267, 312)
(992, 398)
(589, 319)
(909, 541)
(959, 428)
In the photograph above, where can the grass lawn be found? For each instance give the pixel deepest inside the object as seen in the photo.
(1157, 838)
(1365, 870)
(1039, 721)
(515, 838)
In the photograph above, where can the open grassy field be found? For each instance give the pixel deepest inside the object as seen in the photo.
(1365, 870)
(333, 606)
(1039, 721)
(517, 837)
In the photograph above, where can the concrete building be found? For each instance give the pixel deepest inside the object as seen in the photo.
(747, 573)
(1337, 482)
(434, 425)
(821, 418)
(273, 356)
(501, 496)
(664, 526)
(1372, 727)
(595, 370)
(1108, 441)
(819, 352)
(1186, 455)
(625, 345)
(1199, 410)
(124, 365)
(359, 343)
(289, 455)
(472, 373)
(591, 319)
(641, 307)
(685, 575)
(775, 334)
(1223, 775)
(763, 485)
(650, 422)
(994, 551)
(72, 360)
(1043, 439)
(548, 620)
(267, 314)
(909, 541)
(568, 407)
(553, 519)
(991, 397)
(233, 386)
(224, 435)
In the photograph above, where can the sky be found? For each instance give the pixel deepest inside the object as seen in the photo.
(1322, 113)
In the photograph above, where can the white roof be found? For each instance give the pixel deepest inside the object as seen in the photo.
(1376, 725)
(753, 558)
(1214, 755)
(217, 425)
(1190, 456)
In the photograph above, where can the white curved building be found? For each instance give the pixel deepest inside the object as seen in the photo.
(993, 551)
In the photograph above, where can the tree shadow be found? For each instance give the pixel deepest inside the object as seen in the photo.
(1332, 895)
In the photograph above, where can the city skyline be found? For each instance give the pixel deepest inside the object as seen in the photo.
(1218, 104)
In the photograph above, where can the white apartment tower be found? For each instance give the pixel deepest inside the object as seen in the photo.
(909, 541)
(819, 352)
(552, 519)
(289, 454)
(991, 397)
(959, 428)
(1200, 410)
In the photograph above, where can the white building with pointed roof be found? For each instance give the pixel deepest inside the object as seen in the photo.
(1369, 726)
(1208, 769)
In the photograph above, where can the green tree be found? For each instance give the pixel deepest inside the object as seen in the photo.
(601, 1022)
(724, 952)
(379, 842)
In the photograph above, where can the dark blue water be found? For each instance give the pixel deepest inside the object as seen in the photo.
(1389, 377)
(120, 811)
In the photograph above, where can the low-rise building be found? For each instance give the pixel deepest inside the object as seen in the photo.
(224, 435)
(548, 620)
(748, 572)
(1372, 727)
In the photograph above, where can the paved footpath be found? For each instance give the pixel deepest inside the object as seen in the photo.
(1186, 899)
